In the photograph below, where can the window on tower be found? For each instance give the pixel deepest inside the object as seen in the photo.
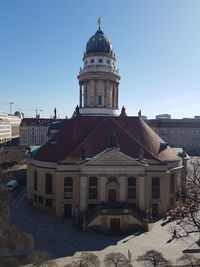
(99, 100)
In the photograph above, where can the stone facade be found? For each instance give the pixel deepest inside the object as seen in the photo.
(9, 127)
(106, 171)
(112, 170)
(184, 133)
(34, 131)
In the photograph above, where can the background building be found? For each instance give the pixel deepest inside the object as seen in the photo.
(184, 133)
(34, 131)
(9, 126)
(163, 116)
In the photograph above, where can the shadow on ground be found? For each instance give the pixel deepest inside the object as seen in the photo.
(59, 238)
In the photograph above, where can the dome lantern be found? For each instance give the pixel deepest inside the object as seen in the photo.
(99, 42)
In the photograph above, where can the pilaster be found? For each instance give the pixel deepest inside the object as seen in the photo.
(141, 192)
(80, 86)
(102, 189)
(83, 193)
(95, 93)
(122, 188)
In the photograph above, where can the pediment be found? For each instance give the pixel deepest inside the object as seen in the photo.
(113, 157)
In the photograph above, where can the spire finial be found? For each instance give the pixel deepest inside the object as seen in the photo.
(99, 21)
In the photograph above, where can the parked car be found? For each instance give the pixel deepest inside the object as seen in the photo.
(12, 184)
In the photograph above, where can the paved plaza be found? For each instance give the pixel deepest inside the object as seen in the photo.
(62, 240)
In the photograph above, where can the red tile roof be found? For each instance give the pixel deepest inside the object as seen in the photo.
(92, 133)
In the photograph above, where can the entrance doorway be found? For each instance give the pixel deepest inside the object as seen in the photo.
(112, 194)
(114, 225)
(154, 209)
(67, 210)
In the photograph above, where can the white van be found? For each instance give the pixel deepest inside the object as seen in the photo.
(12, 184)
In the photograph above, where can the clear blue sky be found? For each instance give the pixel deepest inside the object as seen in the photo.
(157, 46)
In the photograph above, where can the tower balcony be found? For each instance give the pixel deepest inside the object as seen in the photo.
(98, 68)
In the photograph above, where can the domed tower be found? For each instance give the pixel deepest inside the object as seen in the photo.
(99, 79)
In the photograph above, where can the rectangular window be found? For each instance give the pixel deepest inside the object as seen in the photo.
(35, 198)
(172, 184)
(92, 193)
(131, 192)
(155, 188)
(35, 180)
(99, 100)
(68, 189)
(40, 199)
(48, 184)
(48, 202)
(171, 201)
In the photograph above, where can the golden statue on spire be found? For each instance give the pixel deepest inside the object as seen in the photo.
(99, 21)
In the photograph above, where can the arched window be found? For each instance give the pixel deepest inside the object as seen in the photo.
(131, 188)
(68, 188)
(35, 180)
(92, 188)
(172, 183)
(48, 185)
(155, 187)
(93, 181)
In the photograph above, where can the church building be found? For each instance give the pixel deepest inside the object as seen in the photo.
(106, 170)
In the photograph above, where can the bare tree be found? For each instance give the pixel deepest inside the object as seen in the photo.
(86, 260)
(187, 214)
(190, 260)
(13, 240)
(40, 259)
(153, 258)
(9, 262)
(116, 259)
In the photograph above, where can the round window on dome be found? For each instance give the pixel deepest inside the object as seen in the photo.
(100, 60)
(92, 60)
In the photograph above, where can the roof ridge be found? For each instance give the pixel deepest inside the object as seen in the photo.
(127, 132)
(85, 138)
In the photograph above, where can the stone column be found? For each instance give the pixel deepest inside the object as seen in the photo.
(80, 85)
(102, 189)
(113, 95)
(95, 93)
(86, 94)
(122, 189)
(117, 92)
(83, 193)
(105, 93)
(141, 192)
